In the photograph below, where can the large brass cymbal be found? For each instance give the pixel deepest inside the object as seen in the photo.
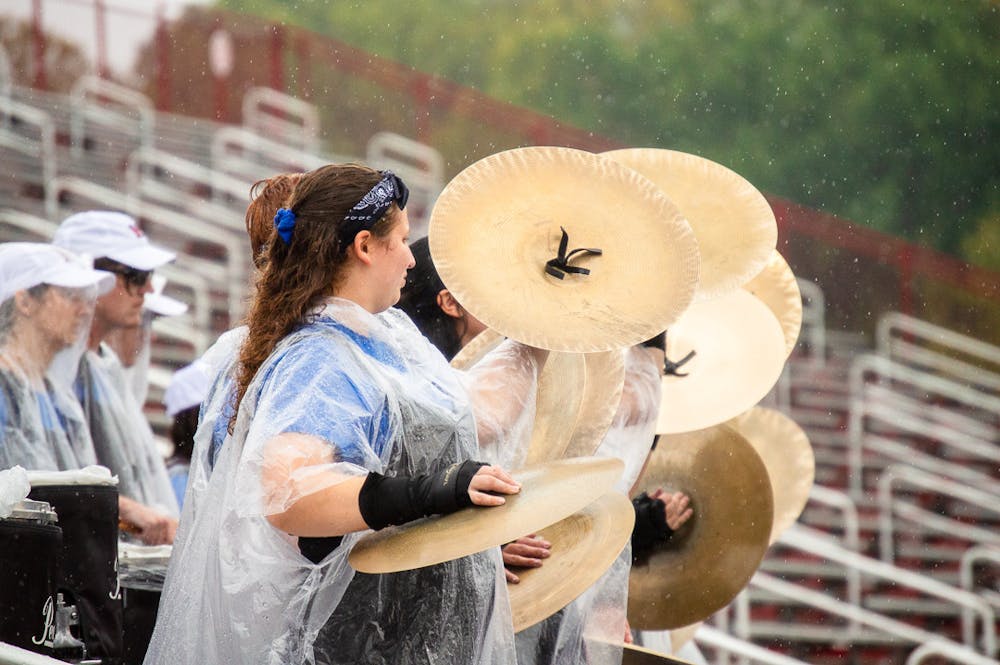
(776, 286)
(681, 636)
(549, 493)
(732, 220)
(739, 354)
(576, 399)
(603, 386)
(584, 545)
(791, 466)
(505, 227)
(601, 651)
(713, 556)
(476, 349)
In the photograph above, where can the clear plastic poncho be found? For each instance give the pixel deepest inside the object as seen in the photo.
(123, 439)
(599, 613)
(363, 393)
(41, 428)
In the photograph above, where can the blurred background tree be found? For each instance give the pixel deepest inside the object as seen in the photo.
(887, 114)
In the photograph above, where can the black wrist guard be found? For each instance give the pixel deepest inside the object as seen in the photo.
(384, 501)
(658, 342)
(650, 527)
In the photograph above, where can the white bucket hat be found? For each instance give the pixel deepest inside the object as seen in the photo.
(115, 235)
(188, 387)
(27, 264)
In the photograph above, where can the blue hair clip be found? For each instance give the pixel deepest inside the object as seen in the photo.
(284, 221)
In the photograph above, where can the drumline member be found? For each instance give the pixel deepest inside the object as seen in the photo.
(557, 640)
(47, 299)
(122, 436)
(335, 388)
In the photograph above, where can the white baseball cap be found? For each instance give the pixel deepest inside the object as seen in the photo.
(115, 235)
(27, 264)
(188, 387)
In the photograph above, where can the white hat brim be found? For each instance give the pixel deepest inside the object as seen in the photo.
(164, 305)
(76, 277)
(145, 257)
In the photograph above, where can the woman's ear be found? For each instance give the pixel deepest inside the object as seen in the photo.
(362, 246)
(449, 305)
(24, 303)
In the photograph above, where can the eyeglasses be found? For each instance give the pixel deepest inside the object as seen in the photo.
(134, 278)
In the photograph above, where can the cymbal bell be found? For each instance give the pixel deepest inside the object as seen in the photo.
(776, 286)
(785, 450)
(714, 554)
(549, 493)
(739, 353)
(584, 545)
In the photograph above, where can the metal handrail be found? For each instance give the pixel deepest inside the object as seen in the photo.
(821, 601)
(898, 473)
(904, 324)
(93, 86)
(899, 452)
(235, 270)
(6, 73)
(894, 371)
(885, 368)
(39, 227)
(951, 652)
(721, 641)
(908, 419)
(836, 499)
(45, 148)
(281, 156)
(145, 159)
(815, 542)
(969, 559)
(885, 396)
(255, 117)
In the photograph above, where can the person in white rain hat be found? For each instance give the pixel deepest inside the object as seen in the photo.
(122, 436)
(47, 298)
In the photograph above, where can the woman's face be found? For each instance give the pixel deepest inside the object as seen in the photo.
(392, 259)
(64, 314)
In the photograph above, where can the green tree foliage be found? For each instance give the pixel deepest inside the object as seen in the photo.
(885, 113)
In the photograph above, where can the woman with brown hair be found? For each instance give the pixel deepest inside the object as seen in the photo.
(346, 419)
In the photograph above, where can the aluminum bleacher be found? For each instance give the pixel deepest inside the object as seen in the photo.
(896, 557)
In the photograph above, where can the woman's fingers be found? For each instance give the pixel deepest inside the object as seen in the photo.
(493, 479)
(511, 577)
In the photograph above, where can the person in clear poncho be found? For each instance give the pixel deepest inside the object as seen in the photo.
(600, 612)
(93, 374)
(346, 418)
(47, 299)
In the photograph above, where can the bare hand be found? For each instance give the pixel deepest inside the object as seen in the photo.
(492, 479)
(628, 639)
(526, 552)
(676, 507)
(151, 526)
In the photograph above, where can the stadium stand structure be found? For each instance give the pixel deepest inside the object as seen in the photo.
(896, 558)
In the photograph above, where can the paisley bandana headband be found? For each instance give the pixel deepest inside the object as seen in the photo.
(373, 206)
